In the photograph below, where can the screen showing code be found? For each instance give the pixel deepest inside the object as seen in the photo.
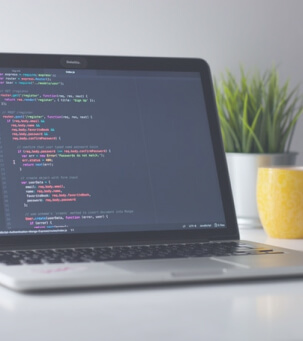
(105, 151)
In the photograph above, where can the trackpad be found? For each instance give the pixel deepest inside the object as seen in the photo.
(174, 265)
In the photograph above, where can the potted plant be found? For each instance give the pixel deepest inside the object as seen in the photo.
(258, 117)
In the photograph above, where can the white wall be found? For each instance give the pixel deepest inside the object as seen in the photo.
(226, 33)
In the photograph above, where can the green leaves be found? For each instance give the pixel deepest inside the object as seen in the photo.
(257, 115)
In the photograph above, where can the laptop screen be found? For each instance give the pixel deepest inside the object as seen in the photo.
(98, 151)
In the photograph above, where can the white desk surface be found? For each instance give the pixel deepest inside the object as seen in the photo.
(266, 310)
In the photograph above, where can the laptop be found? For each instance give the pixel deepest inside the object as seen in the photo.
(113, 173)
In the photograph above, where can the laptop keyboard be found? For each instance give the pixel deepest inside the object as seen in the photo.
(100, 254)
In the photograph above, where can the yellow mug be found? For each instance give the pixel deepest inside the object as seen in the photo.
(280, 201)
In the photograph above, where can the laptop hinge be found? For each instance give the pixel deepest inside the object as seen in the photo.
(100, 244)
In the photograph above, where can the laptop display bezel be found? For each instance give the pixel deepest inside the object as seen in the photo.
(137, 64)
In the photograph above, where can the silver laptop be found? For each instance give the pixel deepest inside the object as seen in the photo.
(113, 173)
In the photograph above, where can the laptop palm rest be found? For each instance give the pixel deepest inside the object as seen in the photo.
(179, 267)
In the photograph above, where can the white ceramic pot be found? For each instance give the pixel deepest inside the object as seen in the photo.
(243, 170)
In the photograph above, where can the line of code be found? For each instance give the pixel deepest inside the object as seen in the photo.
(30, 127)
(50, 191)
(51, 220)
(46, 156)
(19, 78)
(26, 97)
